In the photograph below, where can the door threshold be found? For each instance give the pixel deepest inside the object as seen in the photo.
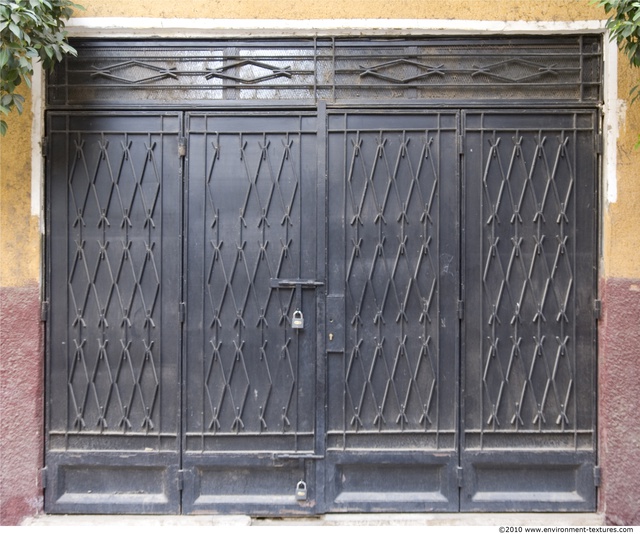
(342, 519)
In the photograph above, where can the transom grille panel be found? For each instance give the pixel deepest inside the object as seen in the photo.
(440, 69)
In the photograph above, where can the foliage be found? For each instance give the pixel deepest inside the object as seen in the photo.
(30, 30)
(624, 25)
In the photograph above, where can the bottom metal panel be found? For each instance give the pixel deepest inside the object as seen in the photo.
(385, 482)
(110, 483)
(260, 485)
(507, 481)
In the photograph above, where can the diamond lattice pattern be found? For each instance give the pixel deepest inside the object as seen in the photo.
(392, 284)
(114, 283)
(252, 218)
(528, 253)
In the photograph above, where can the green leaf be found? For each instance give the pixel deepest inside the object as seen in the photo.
(4, 57)
(3, 127)
(15, 30)
(30, 29)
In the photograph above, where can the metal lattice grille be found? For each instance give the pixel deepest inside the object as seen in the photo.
(525, 69)
(393, 173)
(113, 380)
(115, 265)
(530, 255)
(250, 184)
(391, 377)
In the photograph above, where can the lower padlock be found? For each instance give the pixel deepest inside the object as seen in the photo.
(301, 491)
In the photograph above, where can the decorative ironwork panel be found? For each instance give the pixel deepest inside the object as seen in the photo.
(114, 285)
(394, 175)
(250, 373)
(529, 355)
(497, 69)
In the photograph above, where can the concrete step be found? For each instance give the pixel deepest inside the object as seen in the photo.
(434, 520)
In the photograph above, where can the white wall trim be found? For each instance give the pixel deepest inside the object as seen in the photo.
(610, 127)
(37, 131)
(195, 28)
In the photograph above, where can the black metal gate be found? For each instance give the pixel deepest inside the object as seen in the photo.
(319, 307)
(114, 249)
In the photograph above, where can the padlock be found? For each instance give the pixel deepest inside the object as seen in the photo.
(301, 491)
(297, 320)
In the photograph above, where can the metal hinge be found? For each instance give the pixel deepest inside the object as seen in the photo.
(182, 313)
(461, 144)
(599, 143)
(460, 308)
(459, 476)
(43, 477)
(180, 479)
(44, 311)
(597, 309)
(182, 147)
(44, 147)
(597, 476)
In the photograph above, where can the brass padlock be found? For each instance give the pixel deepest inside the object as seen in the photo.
(297, 320)
(301, 491)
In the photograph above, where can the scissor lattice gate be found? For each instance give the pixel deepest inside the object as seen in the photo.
(321, 307)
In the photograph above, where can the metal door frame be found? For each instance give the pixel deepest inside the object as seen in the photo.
(423, 142)
(72, 474)
(60, 89)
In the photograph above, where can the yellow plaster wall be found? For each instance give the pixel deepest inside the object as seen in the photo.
(621, 231)
(19, 235)
(19, 239)
(312, 9)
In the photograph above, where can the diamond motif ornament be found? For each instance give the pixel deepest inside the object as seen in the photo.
(515, 70)
(250, 72)
(396, 71)
(135, 72)
(78, 384)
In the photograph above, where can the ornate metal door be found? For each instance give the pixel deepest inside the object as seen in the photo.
(251, 269)
(113, 367)
(392, 320)
(528, 359)
(328, 280)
